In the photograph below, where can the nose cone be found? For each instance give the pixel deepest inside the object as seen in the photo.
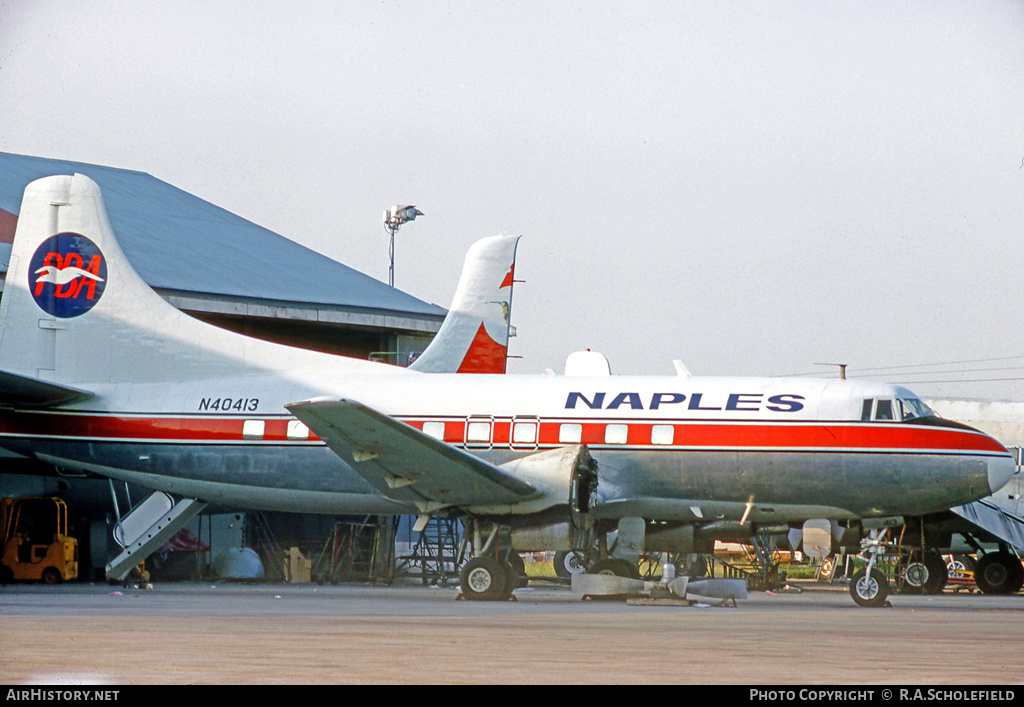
(1000, 471)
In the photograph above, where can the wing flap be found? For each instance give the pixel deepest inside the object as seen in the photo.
(405, 464)
(25, 392)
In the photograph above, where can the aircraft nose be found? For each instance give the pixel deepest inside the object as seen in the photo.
(1000, 471)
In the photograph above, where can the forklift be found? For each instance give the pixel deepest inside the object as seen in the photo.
(36, 544)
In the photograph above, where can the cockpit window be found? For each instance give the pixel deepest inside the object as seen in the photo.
(902, 409)
(913, 408)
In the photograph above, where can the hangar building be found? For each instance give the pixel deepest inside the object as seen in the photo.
(227, 271)
(231, 272)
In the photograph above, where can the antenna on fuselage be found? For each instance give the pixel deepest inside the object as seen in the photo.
(842, 368)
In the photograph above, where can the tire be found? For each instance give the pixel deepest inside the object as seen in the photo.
(869, 590)
(1017, 576)
(915, 576)
(998, 573)
(615, 566)
(518, 569)
(484, 579)
(927, 577)
(568, 563)
(51, 575)
(513, 578)
(937, 575)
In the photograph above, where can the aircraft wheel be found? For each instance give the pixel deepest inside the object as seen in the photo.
(869, 590)
(568, 563)
(483, 579)
(998, 573)
(615, 566)
(937, 575)
(1016, 576)
(515, 575)
(960, 565)
(915, 576)
(518, 568)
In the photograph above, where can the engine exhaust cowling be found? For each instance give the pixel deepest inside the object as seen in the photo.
(563, 476)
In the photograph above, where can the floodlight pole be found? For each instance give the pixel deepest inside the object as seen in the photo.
(392, 230)
(393, 218)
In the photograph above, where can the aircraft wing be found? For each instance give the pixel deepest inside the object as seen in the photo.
(22, 391)
(403, 463)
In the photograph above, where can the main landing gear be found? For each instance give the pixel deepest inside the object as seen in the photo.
(494, 572)
(999, 572)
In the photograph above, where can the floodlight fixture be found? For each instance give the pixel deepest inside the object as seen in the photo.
(393, 218)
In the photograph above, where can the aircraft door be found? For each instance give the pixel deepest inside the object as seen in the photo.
(582, 496)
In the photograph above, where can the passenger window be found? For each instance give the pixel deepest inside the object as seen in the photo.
(434, 429)
(478, 432)
(663, 434)
(524, 433)
(570, 433)
(616, 434)
(297, 430)
(253, 429)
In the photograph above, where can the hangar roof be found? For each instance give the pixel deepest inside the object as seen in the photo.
(201, 256)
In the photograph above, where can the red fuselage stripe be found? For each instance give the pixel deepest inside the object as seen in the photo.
(698, 434)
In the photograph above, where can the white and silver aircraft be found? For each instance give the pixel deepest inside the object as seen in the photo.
(99, 374)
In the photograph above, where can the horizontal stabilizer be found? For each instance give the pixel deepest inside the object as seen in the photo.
(22, 391)
(405, 464)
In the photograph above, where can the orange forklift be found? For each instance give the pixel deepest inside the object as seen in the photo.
(36, 544)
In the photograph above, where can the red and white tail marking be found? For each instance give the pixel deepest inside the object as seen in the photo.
(474, 335)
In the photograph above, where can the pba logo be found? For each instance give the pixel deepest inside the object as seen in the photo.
(67, 275)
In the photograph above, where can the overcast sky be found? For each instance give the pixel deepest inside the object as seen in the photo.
(751, 187)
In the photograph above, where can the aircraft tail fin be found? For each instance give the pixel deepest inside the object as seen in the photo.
(474, 335)
(75, 313)
(67, 285)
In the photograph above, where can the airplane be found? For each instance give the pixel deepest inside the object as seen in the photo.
(101, 375)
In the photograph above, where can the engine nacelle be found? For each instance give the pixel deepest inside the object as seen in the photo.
(566, 476)
(550, 537)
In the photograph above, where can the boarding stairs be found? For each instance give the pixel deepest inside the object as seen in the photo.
(147, 526)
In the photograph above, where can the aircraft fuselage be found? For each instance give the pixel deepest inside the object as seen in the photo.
(685, 449)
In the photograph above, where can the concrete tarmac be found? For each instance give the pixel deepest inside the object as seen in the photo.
(230, 633)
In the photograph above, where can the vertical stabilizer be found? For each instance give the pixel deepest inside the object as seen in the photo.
(474, 335)
(75, 312)
(70, 293)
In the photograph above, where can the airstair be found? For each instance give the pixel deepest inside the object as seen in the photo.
(148, 526)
